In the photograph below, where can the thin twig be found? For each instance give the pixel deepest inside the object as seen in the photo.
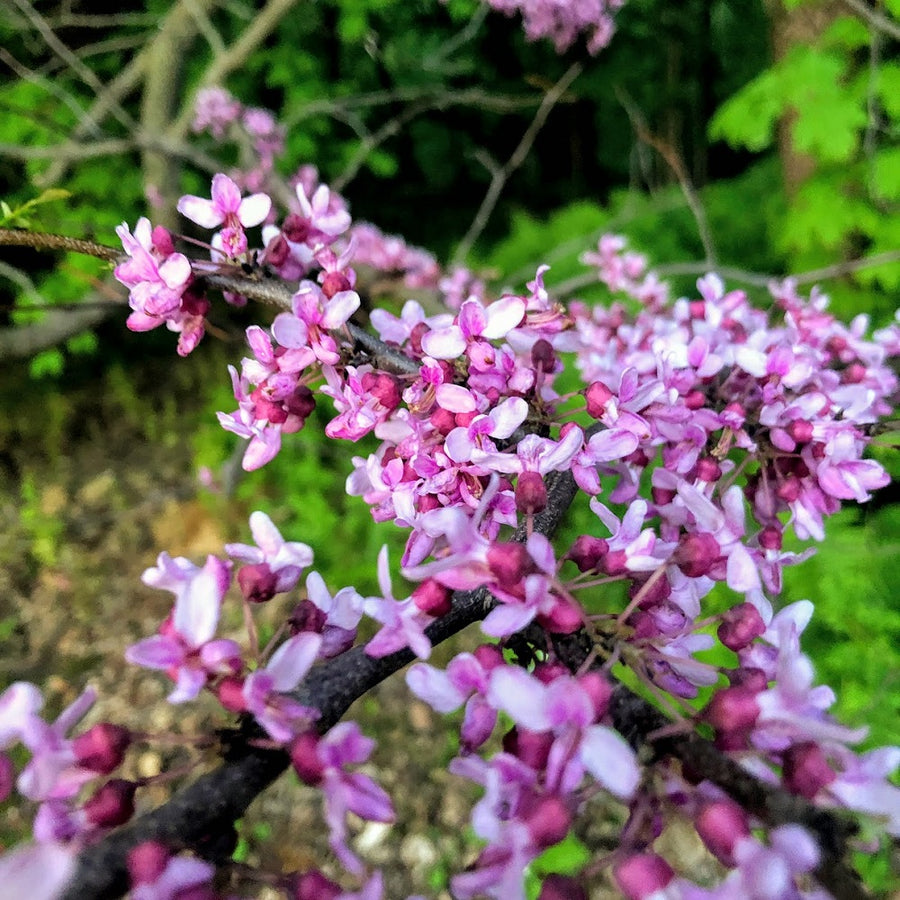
(675, 163)
(875, 19)
(501, 176)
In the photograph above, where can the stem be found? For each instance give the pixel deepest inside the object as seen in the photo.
(39, 240)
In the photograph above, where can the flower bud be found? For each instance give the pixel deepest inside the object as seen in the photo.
(564, 617)
(614, 563)
(642, 875)
(508, 562)
(805, 770)
(147, 861)
(599, 690)
(531, 748)
(740, 626)
(277, 251)
(561, 887)
(696, 554)
(383, 387)
(801, 431)
(733, 709)
(489, 656)
(230, 692)
(161, 239)
(708, 470)
(752, 679)
(313, 885)
(305, 758)
(695, 400)
(543, 356)
(433, 598)
(335, 282)
(295, 228)
(7, 776)
(531, 493)
(721, 824)
(300, 402)
(548, 820)
(597, 396)
(771, 538)
(306, 616)
(257, 582)
(112, 803)
(443, 421)
(102, 747)
(587, 551)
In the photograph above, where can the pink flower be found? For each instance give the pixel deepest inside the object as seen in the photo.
(226, 206)
(285, 559)
(185, 647)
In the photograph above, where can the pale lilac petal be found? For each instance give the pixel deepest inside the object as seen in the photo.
(506, 618)
(188, 685)
(445, 343)
(617, 443)
(157, 652)
(18, 704)
(502, 316)
(455, 398)
(175, 271)
(367, 799)
(608, 757)
(263, 448)
(520, 695)
(254, 209)
(293, 659)
(339, 308)
(507, 416)
(290, 331)
(741, 573)
(434, 687)
(225, 194)
(36, 871)
(197, 609)
(203, 212)
(267, 537)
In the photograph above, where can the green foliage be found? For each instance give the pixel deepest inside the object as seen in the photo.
(20, 216)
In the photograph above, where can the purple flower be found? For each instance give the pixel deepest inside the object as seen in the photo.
(185, 647)
(285, 559)
(226, 206)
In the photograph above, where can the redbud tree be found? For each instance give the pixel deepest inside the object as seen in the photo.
(699, 432)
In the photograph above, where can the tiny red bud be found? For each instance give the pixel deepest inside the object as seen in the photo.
(295, 228)
(696, 554)
(801, 431)
(112, 804)
(306, 616)
(433, 598)
(561, 887)
(614, 563)
(335, 282)
(489, 656)
(508, 562)
(230, 692)
(708, 470)
(741, 625)
(301, 402)
(642, 875)
(102, 747)
(805, 769)
(305, 758)
(720, 825)
(314, 885)
(733, 709)
(597, 396)
(753, 679)
(383, 387)
(531, 748)
(531, 493)
(277, 251)
(587, 551)
(543, 356)
(599, 690)
(147, 861)
(771, 538)
(257, 582)
(695, 400)
(548, 821)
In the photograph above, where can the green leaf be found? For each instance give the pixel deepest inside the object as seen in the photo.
(748, 119)
(886, 174)
(889, 88)
(47, 363)
(848, 32)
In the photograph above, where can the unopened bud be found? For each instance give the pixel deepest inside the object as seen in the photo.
(314, 885)
(147, 861)
(597, 396)
(335, 282)
(112, 804)
(740, 626)
(433, 598)
(696, 554)
(587, 551)
(721, 824)
(102, 747)
(805, 770)
(561, 887)
(733, 709)
(257, 582)
(508, 562)
(305, 758)
(642, 875)
(531, 493)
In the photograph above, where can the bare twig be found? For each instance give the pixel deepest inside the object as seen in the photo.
(501, 176)
(876, 19)
(675, 163)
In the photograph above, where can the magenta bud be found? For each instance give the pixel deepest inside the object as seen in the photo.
(740, 626)
(587, 551)
(531, 748)
(733, 709)
(415, 337)
(443, 421)
(433, 598)
(614, 563)
(695, 400)
(147, 861)
(314, 885)
(855, 373)
(383, 387)
(531, 493)
(641, 875)
(305, 758)
(230, 692)
(805, 769)
(697, 309)
(508, 562)
(102, 747)
(295, 228)
(662, 496)
(564, 617)
(7, 776)
(257, 582)
(696, 554)
(306, 616)
(543, 356)
(720, 825)
(335, 282)
(561, 887)
(771, 538)
(277, 251)
(161, 239)
(301, 402)
(801, 431)
(489, 656)
(548, 820)
(789, 489)
(597, 396)
(112, 803)
(657, 593)
(752, 679)
(599, 690)
(708, 470)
